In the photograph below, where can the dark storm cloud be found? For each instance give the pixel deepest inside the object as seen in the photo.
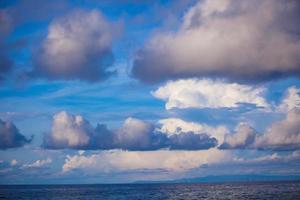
(10, 137)
(74, 132)
(239, 40)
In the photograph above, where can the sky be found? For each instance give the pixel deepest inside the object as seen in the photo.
(123, 91)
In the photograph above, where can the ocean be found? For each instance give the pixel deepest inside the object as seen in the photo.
(240, 191)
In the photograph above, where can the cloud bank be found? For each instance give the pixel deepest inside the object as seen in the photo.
(10, 136)
(77, 46)
(206, 93)
(75, 132)
(239, 40)
(70, 131)
(117, 161)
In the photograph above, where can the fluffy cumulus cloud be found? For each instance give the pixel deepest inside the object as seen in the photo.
(136, 134)
(291, 100)
(10, 136)
(77, 46)
(284, 134)
(175, 126)
(114, 161)
(139, 135)
(244, 137)
(281, 135)
(206, 93)
(74, 132)
(240, 40)
(70, 131)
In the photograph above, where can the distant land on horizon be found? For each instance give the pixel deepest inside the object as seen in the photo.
(247, 178)
(226, 178)
(205, 179)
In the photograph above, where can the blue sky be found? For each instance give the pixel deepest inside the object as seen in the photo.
(121, 91)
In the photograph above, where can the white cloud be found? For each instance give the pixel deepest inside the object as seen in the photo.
(70, 130)
(118, 161)
(78, 46)
(291, 100)
(244, 137)
(37, 164)
(241, 40)
(135, 134)
(205, 93)
(284, 134)
(270, 158)
(172, 126)
(280, 135)
(73, 131)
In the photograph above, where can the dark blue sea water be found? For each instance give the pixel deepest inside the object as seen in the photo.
(240, 191)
